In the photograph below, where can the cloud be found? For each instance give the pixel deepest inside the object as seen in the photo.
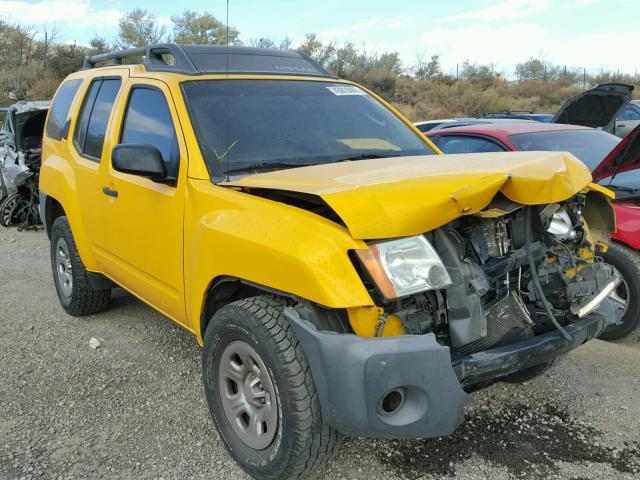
(582, 3)
(80, 13)
(489, 44)
(503, 10)
(346, 33)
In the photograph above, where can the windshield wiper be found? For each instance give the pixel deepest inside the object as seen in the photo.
(363, 156)
(265, 166)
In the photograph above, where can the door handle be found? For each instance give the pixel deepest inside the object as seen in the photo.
(621, 125)
(111, 193)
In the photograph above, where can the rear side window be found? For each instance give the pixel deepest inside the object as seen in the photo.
(60, 109)
(148, 121)
(91, 126)
(464, 144)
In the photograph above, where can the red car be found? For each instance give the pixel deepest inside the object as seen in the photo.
(614, 164)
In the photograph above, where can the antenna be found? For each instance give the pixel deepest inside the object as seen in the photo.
(227, 25)
(226, 159)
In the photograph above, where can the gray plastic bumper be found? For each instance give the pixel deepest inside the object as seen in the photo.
(353, 374)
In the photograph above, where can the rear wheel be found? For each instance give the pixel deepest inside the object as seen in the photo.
(9, 210)
(75, 291)
(260, 392)
(627, 262)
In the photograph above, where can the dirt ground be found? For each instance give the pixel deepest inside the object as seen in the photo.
(134, 407)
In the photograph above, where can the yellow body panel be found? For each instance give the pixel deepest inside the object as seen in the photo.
(168, 244)
(402, 196)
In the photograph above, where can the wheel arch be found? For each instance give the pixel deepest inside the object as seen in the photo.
(51, 209)
(227, 289)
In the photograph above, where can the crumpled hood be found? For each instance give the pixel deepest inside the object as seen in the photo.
(402, 196)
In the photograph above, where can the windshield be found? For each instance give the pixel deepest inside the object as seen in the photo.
(590, 146)
(252, 125)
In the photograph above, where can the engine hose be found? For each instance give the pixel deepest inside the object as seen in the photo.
(536, 280)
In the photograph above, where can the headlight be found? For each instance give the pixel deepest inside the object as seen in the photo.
(405, 266)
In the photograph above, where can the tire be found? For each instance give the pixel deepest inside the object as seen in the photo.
(301, 441)
(8, 209)
(627, 261)
(75, 291)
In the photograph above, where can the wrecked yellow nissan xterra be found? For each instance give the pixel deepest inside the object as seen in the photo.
(342, 276)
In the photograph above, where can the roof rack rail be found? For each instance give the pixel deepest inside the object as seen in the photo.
(214, 59)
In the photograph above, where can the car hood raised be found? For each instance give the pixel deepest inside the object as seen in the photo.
(594, 108)
(401, 196)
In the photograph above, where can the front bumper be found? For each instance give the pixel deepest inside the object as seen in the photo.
(353, 374)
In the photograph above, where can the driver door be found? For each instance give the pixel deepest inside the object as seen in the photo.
(144, 244)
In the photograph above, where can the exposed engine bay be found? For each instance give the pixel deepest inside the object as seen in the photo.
(495, 297)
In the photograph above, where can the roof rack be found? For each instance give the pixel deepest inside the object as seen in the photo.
(204, 59)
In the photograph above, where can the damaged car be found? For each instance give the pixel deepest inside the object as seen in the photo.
(341, 275)
(20, 156)
(614, 164)
(608, 107)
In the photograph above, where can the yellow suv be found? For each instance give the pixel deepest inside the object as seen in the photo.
(341, 275)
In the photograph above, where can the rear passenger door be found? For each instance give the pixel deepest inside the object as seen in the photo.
(144, 242)
(87, 138)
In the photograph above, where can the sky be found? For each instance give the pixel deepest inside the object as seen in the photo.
(590, 34)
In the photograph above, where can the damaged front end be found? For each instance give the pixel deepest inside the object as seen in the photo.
(519, 287)
(515, 272)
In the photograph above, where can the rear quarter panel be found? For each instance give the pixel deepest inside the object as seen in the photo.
(58, 181)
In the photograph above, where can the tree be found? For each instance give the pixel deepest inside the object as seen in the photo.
(425, 69)
(202, 29)
(66, 59)
(479, 73)
(99, 45)
(262, 42)
(139, 28)
(531, 69)
(313, 47)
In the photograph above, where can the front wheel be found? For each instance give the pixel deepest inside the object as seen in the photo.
(260, 392)
(627, 262)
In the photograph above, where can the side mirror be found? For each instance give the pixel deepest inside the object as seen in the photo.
(139, 159)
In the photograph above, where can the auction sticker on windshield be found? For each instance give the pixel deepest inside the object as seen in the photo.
(346, 90)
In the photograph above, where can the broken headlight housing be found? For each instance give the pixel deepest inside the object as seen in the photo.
(404, 266)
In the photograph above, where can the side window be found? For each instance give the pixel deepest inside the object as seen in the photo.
(629, 112)
(93, 119)
(148, 121)
(465, 144)
(60, 109)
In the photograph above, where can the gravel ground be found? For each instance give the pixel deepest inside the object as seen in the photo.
(134, 407)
